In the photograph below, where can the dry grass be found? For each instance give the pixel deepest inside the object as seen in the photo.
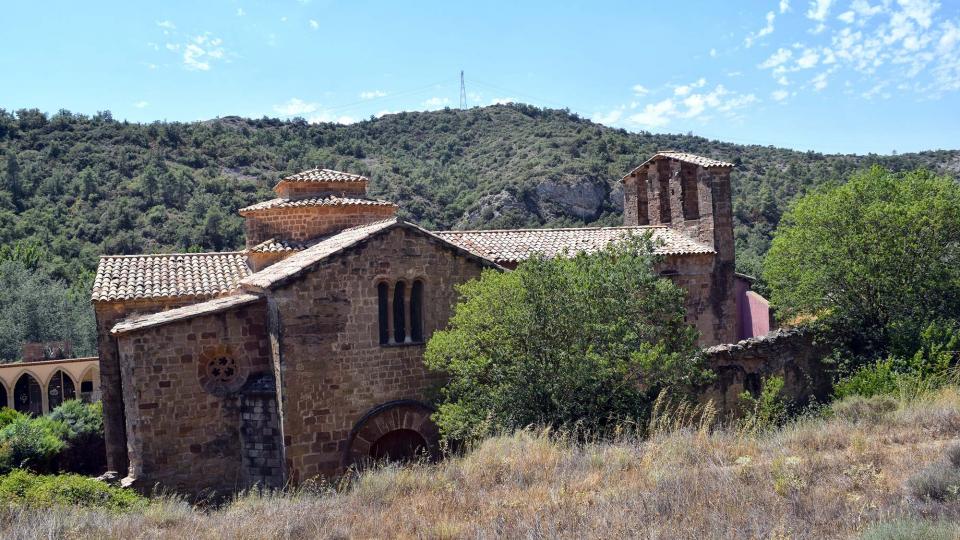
(839, 477)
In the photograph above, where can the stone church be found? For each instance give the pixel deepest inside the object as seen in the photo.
(302, 354)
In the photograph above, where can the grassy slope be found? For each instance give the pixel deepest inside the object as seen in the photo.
(816, 478)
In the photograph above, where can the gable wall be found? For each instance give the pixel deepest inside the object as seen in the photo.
(179, 434)
(333, 368)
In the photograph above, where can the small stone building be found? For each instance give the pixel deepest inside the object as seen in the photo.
(302, 354)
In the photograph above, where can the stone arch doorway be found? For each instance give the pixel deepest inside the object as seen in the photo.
(4, 402)
(28, 395)
(396, 431)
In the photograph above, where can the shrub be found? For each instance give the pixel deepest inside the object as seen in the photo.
(81, 419)
(31, 443)
(583, 343)
(42, 491)
(766, 411)
(85, 451)
(938, 482)
(870, 380)
(8, 415)
(911, 529)
(857, 408)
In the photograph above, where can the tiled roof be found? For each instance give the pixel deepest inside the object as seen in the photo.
(277, 246)
(299, 262)
(331, 200)
(514, 245)
(140, 322)
(685, 157)
(324, 175)
(135, 277)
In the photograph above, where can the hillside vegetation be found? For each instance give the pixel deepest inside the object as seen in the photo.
(82, 186)
(879, 468)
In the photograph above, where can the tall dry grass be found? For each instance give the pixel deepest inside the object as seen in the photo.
(843, 474)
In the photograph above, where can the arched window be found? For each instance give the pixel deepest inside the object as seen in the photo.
(416, 311)
(60, 389)
(399, 313)
(383, 310)
(27, 395)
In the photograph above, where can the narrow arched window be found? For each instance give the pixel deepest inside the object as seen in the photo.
(383, 309)
(416, 311)
(399, 313)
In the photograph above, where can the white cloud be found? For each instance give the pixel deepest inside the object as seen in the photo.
(240, 12)
(640, 90)
(167, 25)
(331, 118)
(436, 102)
(780, 95)
(819, 9)
(713, 53)
(295, 107)
(847, 16)
(776, 59)
(809, 59)
(141, 104)
(609, 118)
(690, 105)
(784, 6)
(371, 94)
(502, 100)
(381, 114)
(314, 24)
(820, 81)
(283, 19)
(655, 115)
(765, 31)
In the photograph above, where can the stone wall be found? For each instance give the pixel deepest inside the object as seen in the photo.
(305, 223)
(792, 354)
(333, 369)
(114, 425)
(181, 395)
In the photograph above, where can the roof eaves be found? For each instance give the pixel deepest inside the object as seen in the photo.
(209, 307)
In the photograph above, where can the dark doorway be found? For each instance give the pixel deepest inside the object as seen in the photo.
(28, 396)
(3, 397)
(398, 445)
(60, 389)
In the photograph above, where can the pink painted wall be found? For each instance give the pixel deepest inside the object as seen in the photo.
(753, 311)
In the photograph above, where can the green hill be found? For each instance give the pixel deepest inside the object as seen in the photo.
(79, 186)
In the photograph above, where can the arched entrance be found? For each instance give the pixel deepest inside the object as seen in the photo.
(27, 395)
(60, 389)
(90, 386)
(3, 396)
(397, 431)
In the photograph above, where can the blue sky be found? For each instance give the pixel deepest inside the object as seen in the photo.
(828, 75)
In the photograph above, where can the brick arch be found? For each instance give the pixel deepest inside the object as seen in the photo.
(390, 417)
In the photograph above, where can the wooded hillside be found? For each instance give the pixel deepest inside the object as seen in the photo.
(78, 186)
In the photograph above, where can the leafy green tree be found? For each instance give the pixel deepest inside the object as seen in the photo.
(876, 260)
(587, 341)
(35, 307)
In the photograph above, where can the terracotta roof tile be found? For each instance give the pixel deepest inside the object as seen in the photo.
(324, 175)
(514, 245)
(299, 262)
(682, 156)
(330, 200)
(136, 277)
(277, 246)
(216, 305)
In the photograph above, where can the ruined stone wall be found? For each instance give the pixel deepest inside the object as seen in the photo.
(183, 419)
(306, 223)
(793, 354)
(333, 368)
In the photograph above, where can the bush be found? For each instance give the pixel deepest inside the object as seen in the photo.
(938, 482)
(911, 529)
(81, 419)
(8, 415)
(32, 443)
(85, 451)
(857, 408)
(583, 343)
(766, 411)
(26, 489)
(867, 381)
